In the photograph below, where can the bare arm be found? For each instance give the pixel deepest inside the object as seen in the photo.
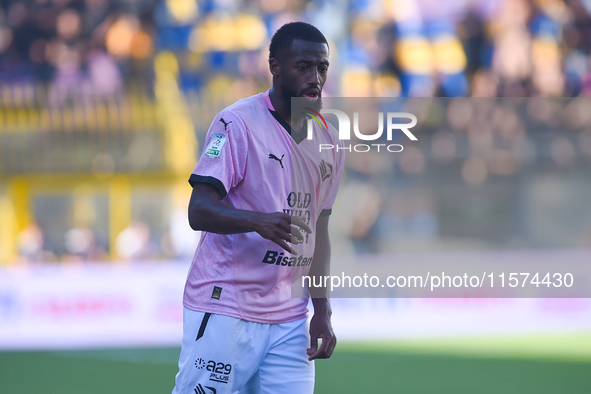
(320, 325)
(208, 213)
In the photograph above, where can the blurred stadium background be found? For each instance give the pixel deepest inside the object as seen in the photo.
(104, 105)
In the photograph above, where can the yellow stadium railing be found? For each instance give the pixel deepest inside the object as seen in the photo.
(47, 149)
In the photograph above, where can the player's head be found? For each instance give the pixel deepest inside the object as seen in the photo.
(298, 60)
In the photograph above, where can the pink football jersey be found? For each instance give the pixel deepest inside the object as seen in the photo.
(254, 163)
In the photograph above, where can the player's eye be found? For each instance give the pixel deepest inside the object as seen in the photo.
(303, 68)
(323, 70)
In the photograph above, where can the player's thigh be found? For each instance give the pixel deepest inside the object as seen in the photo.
(253, 386)
(216, 354)
(285, 368)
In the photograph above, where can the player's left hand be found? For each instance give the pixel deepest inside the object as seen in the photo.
(320, 327)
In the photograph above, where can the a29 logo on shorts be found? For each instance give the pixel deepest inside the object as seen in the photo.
(200, 363)
(219, 372)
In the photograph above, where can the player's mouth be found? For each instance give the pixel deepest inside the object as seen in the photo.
(312, 95)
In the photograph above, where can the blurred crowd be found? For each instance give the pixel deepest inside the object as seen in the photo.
(57, 52)
(82, 49)
(379, 47)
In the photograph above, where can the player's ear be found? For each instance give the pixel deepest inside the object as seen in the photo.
(274, 67)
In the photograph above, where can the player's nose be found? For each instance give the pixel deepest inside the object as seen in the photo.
(313, 78)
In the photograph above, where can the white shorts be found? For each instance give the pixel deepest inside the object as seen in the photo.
(225, 355)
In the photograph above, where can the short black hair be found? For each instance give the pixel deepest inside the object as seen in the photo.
(283, 38)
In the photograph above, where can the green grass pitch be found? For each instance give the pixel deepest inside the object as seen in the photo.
(504, 365)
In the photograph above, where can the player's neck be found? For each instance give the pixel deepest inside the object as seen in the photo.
(282, 108)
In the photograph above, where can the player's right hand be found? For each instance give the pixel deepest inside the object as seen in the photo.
(281, 228)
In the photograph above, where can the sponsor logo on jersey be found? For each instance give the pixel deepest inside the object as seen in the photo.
(299, 200)
(325, 170)
(277, 258)
(298, 206)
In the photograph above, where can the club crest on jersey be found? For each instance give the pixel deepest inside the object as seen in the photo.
(216, 143)
(325, 170)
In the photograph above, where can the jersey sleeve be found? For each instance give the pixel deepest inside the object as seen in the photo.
(223, 159)
(339, 160)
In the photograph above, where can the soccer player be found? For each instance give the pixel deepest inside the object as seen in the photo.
(262, 195)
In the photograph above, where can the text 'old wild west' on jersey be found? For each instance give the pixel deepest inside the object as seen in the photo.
(254, 163)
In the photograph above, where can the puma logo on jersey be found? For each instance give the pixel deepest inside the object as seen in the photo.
(325, 170)
(272, 156)
(225, 124)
